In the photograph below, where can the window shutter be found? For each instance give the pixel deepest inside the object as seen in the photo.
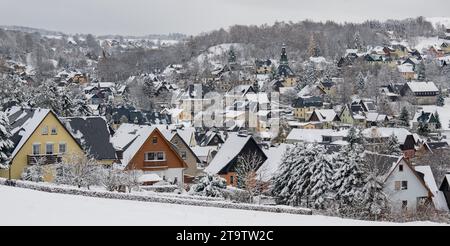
(397, 185)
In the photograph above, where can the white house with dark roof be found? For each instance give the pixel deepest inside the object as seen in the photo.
(406, 188)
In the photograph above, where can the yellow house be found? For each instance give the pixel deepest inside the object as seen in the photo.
(38, 135)
(289, 81)
(327, 88)
(304, 106)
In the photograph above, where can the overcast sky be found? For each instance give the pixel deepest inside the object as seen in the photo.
(140, 17)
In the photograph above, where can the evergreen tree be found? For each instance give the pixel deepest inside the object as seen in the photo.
(321, 179)
(313, 48)
(209, 185)
(349, 177)
(440, 99)
(420, 70)
(354, 137)
(292, 182)
(404, 117)
(357, 43)
(361, 82)
(392, 146)
(423, 129)
(438, 120)
(6, 144)
(373, 201)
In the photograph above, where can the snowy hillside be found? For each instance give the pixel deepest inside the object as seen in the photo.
(439, 21)
(216, 54)
(39, 208)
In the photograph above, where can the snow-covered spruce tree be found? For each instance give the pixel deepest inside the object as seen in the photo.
(292, 184)
(361, 82)
(404, 117)
(313, 48)
(420, 70)
(348, 179)
(321, 179)
(353, 136)
(392, 146)
(373, 201)
(440, 99)
(6, 144)
(438, 120)
(209, 185)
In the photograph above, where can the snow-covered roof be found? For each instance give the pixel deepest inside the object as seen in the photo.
(130, 138)
(405, 68)
(149, 177)
(261, 97)
(422, 86)
(310, 135)
(229, 150)
(24, 130)
(325, 115)
(375, 117)
(203, 151)
(385, 132)
(438, 196)
(274, 158)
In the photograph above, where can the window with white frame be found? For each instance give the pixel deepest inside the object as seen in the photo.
(62, 148)
(155, 156)
(45, 130)
(49, 149)
(54, 130)
(36, 149)
(183, 155)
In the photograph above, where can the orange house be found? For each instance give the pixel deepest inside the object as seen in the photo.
(151, 152)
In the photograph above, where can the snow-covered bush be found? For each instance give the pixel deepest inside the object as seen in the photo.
(209, 185)
(78, 170)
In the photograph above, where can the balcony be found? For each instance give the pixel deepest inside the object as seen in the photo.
(155, 164)
(44, 159)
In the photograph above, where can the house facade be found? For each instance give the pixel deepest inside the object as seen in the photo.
(406, 189)
(39, 137)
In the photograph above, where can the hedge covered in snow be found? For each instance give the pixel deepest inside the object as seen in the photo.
(45, 187)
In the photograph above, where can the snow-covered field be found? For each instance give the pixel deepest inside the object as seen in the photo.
(29, 207)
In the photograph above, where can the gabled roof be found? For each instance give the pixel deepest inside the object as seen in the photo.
(436, 145)
(422, 87)
(134, 140)
(421, 180)
(325, 115)
(428, 177)
(229, 150)
(93, 134)
(24, 122)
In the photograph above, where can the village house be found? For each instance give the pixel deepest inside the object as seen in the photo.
(445, 188)
(194, 165)
(39, 137)
(226, 160)
(304, 106)
(327, 118)
(427, 119)
(148, 148)
(263, 67)
(406, 188)
(423, 93)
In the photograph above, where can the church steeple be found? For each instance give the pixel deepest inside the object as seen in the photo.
(284, 58)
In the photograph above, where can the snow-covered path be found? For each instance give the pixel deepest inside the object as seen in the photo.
(29, 207)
